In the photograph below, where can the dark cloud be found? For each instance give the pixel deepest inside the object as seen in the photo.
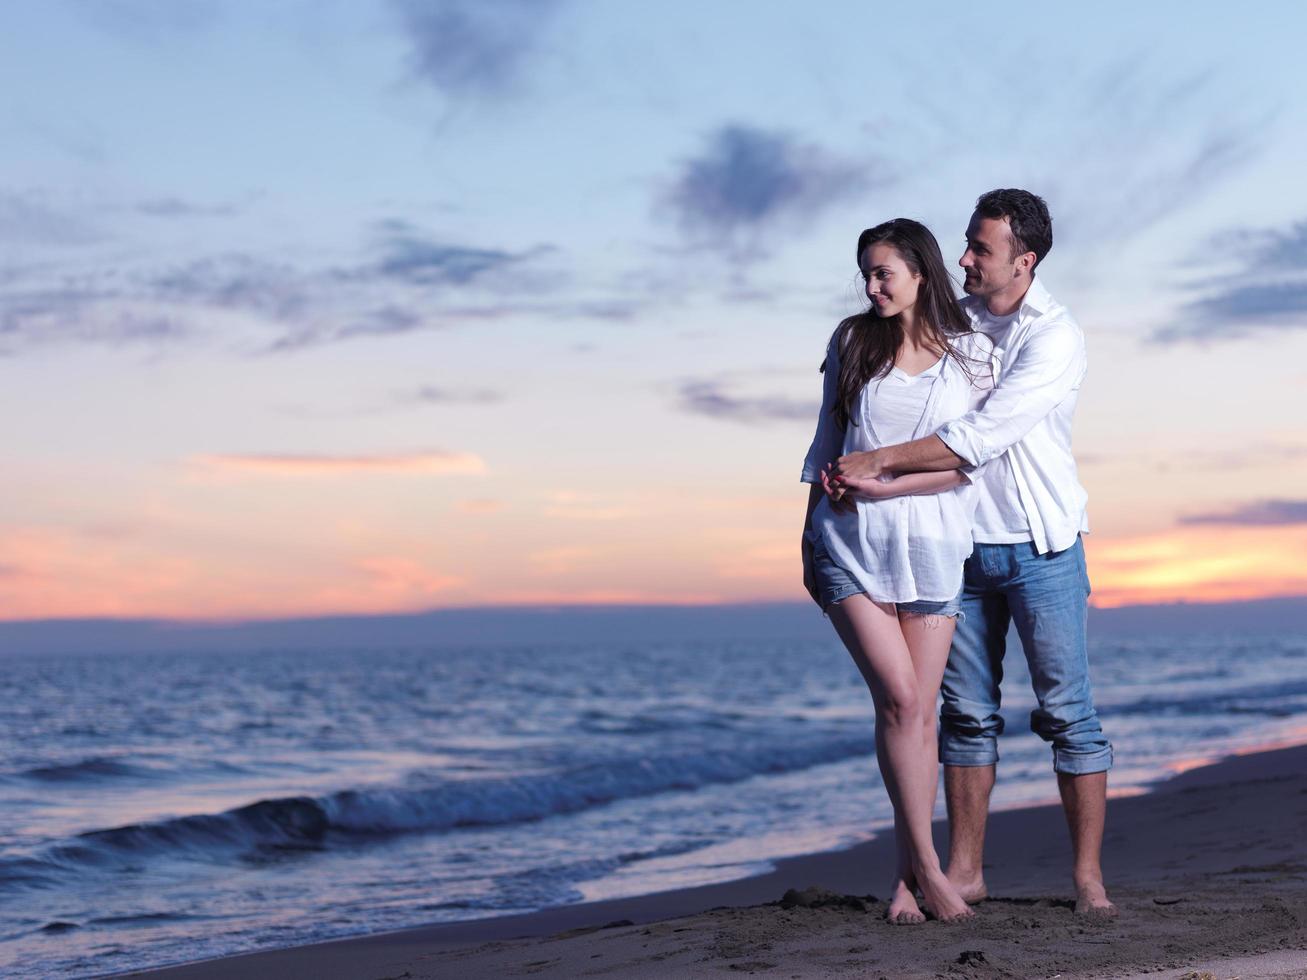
(413, 284)
(1261, 513)
(74, 313)
(473, 48)
(404, 281)
(330, 323)
(237, 282)
(710, 398)
(747, 179)
(413, 258)
(1267, 291)
(1283, 250)
(1239, 311)
(385, 320)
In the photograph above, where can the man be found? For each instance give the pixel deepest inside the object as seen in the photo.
(1028, 565)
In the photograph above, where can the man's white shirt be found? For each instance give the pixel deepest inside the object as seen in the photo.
(1028, 416)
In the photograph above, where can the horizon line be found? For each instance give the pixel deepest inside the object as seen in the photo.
(560, 607)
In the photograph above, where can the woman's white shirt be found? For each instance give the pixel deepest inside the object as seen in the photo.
(909, 548)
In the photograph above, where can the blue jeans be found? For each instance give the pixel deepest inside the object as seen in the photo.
(1047, 596)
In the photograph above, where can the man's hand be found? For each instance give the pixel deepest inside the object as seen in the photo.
(858, 468)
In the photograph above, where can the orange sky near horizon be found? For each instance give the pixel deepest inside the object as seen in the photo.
(54, 573)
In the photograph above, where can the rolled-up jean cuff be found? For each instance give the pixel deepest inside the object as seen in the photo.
(968, 755)
(1082, 763)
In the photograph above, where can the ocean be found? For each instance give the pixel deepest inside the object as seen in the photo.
(159, 808)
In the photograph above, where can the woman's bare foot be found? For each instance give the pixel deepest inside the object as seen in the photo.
(903, 908)
(970, 886)
(941, 897)
(1091, 899)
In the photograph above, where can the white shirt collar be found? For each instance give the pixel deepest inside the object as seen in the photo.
(1037, 299)
(1036, 302)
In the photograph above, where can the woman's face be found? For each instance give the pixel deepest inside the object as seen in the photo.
(891, 286)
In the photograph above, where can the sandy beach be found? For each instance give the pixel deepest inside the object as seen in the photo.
(1209, 871)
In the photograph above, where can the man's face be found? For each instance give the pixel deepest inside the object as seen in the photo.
(989, 262)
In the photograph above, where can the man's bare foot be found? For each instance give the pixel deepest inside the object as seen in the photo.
(970, 886)
(1092, 900)
(903, 908)
(941, 898)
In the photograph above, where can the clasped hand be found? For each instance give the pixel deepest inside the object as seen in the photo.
(851, 478)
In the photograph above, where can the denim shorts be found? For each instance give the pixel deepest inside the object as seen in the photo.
(835, 584)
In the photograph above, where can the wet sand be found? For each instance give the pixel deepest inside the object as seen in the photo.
(1209, 871)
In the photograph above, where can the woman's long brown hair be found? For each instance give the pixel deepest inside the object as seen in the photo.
(868, 344)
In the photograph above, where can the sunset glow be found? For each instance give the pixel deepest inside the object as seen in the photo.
(292, 465)
(1198, 564)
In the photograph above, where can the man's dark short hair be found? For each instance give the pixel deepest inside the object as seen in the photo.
(1027, 216)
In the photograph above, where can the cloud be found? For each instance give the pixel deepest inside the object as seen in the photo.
(473, 48)
(711, 399)
(436, 395)
(412, 258)
(1260, 513)
(1115, 147)
(1266, 292)
(291, 464)
(175, 207)
(400, 577)
(28, 219)
(1238, 311)
(747, 179)
(1159, 185)
(1282, 250)
(76, 312)
(237, 281)
(404, 281)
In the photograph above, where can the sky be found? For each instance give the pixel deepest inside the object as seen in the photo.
(363, 307)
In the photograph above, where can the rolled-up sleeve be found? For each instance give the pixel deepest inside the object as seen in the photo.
(828, 441)
(1049, 366)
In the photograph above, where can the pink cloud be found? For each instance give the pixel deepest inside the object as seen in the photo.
(305, 464)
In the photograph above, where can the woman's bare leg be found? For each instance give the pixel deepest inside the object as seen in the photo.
(903, 908)
(929, 639)
(875, 639)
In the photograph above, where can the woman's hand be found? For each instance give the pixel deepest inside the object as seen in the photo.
(841, 501)
(842, 495)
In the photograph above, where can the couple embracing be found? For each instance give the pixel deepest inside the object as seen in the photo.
(945, 507)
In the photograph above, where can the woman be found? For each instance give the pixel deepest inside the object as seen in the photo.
(886, 567)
